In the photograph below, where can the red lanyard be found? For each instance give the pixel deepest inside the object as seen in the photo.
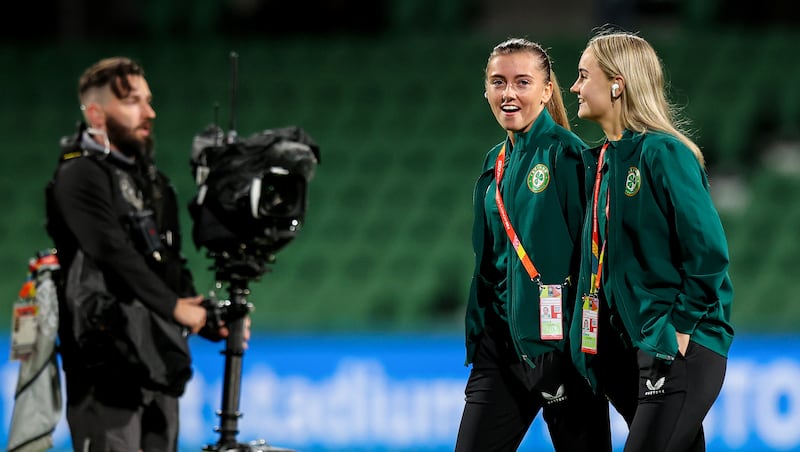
(598, 252)
(512, 235)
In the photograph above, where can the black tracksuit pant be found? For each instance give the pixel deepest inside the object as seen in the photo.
(662, 415)
(504, 395)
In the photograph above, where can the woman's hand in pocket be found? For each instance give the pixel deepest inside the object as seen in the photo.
(683, 342)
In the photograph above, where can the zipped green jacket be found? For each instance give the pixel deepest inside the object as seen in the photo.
(666, 266)
(543, 192)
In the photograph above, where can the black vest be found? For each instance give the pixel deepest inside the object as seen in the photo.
(105, 336)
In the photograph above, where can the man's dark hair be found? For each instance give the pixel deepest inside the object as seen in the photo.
(110, 71)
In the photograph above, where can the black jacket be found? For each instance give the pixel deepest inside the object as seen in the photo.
(114, 222)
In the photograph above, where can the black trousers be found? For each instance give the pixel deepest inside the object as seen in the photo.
(114, 417)
(662, 415)
(674, 399)
(504, 395)
(616, 368)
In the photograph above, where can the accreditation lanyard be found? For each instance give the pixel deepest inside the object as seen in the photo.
(598, 250)
(551, 317)
(591, 303)
(499, 168)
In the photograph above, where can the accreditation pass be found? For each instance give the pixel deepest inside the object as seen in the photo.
(551, 323)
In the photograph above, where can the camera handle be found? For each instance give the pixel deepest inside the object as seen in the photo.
(231, 386)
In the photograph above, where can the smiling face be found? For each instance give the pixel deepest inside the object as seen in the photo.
(599, 96)
(517, 89)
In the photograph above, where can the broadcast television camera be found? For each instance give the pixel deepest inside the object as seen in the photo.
(252, 195)
(251, 202)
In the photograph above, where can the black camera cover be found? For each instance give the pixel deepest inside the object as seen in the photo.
(251, 192)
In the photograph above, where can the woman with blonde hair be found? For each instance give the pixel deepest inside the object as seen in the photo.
(655, 292)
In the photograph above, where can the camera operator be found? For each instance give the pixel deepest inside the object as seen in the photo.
(127, 302)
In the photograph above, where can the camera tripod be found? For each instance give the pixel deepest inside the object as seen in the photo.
(235, 320)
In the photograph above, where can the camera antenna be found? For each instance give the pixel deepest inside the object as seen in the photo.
(234, 60)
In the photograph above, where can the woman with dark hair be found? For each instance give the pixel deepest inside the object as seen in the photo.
(529, 204)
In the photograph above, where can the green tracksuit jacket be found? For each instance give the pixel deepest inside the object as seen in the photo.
(543, 193)
(666, 264)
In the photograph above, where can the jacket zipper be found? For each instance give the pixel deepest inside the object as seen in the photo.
(512, 316)
(622, 306)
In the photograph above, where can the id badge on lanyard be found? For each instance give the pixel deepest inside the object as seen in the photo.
(551, 323)
(591, 302)
(589, 323)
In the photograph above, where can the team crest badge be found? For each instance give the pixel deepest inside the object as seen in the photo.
(538, 178)
(633, 181)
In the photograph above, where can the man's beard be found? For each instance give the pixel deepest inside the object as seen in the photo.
(126, 140)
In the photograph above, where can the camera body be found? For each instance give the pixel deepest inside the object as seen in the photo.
(252, 194)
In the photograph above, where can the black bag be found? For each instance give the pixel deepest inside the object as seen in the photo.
(124, 340)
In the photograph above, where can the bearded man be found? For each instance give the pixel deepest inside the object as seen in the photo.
(127, 301)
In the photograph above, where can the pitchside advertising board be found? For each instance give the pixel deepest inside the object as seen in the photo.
(405, 393)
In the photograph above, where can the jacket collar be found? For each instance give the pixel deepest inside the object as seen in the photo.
(623, 148)
(543, 124)
(93, 147)
(627, 145)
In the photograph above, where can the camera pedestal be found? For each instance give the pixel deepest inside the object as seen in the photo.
(234, 354)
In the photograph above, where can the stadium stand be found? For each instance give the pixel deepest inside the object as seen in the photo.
(403, 128)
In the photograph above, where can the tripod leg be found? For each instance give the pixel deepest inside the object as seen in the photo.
(231, 390)
(234, 355)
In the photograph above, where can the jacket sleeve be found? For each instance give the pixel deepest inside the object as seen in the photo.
(83, 196)
(701, 244)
